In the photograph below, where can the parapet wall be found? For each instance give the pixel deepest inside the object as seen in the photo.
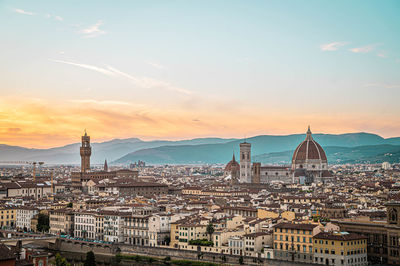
(161, 252)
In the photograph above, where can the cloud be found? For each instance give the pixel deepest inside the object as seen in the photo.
(333, 46)
(363, 49)
(149, 83)
(93, 68)
(107, 102)
(143, 82)
(382, 54)
(24, 12)
(54, 17)
(93, 31)
(156, 65)
(382, 85)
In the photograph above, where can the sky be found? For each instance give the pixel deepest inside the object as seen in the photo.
(188, 69)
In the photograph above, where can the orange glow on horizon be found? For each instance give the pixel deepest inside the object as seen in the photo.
(37, 123)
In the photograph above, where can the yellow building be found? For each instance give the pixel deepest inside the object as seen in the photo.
(61, 221)
(293, 241)
(8, 217)
(174, 234)
(263, 214)
(340, 248)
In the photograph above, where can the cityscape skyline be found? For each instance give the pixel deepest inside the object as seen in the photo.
(211, 132)
(179, 70)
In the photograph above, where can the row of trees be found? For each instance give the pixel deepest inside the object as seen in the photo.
(90, 260)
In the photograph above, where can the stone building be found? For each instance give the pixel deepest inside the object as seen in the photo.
(383, 238)
(145, 189)
(79, 179)
(309, 164)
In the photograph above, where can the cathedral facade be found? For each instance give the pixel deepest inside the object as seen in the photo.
(309, 165)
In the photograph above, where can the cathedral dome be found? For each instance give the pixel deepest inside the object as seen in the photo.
(232, 165)
(309, 150)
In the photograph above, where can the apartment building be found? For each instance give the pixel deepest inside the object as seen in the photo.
(99, 226)
(85, 225)
(136, 229)
(340, 248)
(8, 216)
(159, 228)
(254, 242)
(24, 216)
(293, 241)
(113, 223)
(62, 221)
(236, 245)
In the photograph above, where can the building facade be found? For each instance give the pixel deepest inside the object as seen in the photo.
(245, 162)
(24, 217)
(294, 242)
(340, 248)
(383, 238)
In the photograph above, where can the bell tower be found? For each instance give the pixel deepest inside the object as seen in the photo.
(85, 151)
(245, 162)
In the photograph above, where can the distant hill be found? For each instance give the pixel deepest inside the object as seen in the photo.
(110, 150)
(275, 149)
(360, 154)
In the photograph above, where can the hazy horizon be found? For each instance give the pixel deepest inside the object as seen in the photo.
(94, 140)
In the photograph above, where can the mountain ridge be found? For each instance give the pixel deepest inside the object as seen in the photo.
(212, 149)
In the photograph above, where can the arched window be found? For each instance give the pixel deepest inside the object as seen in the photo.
(393, 216)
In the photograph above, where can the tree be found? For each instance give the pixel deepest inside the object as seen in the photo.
(43, 224)
(241, 260)
(210, 230)
(90, 259)
(61, 261)
(70, 205)
(167, 240)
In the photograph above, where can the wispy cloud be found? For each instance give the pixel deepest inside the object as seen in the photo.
(90, 67)
(149, 83)
(363, 49)
(24, 12)
(382, 85)
(143, 82)
(155, 65)
(91, 101)
(93, 31)
(333, 46)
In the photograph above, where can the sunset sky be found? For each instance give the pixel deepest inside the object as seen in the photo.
(187, 69)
